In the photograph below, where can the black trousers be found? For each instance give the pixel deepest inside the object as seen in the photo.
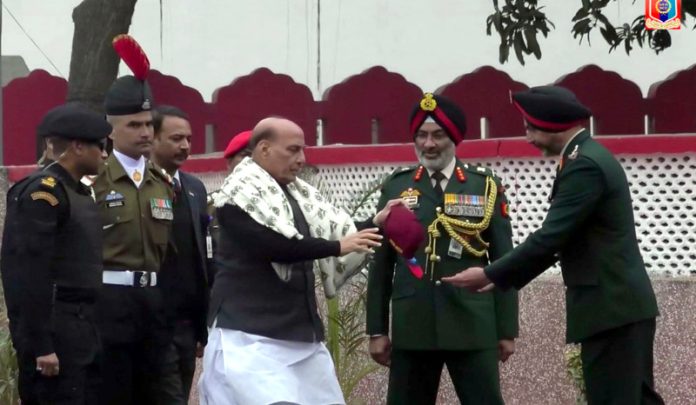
(414, 376)
(77, 346)
(617, 365)
(135, 339)
(180, 363)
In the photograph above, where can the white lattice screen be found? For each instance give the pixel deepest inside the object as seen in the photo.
(663, 188)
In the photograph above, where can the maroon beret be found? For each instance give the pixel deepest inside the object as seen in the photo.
(406, 234)
(238, 143)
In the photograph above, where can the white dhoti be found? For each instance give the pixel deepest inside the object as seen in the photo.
(244, 369)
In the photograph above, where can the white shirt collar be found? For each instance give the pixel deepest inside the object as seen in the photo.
(570, 140)
(128, 162)
(130, 165)
(176, 176)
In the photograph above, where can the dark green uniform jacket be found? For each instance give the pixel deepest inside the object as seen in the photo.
(428, 314)
(136, 221)
(590, 228)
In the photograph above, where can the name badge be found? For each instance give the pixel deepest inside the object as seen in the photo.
(161, 208)
(464, 205)
(455, 249)
(410, 197)
(114, 199)
(209, 247)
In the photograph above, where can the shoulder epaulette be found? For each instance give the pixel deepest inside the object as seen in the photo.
(160, 173)
(42, 187)
(401, 170)
(480, 170)
(48, 182)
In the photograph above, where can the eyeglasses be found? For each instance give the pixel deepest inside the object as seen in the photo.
(101, 144)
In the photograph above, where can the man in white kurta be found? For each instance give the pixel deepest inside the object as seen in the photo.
(265, 344)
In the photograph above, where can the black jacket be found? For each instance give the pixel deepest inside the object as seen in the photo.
(51, 252)
(248, 295)
(196, 199)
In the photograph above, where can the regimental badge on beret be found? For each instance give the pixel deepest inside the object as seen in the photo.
(146, 105)
(428, 102)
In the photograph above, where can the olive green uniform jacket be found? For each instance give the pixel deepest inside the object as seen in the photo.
(428, 314)
(590, 228)
(134, 237)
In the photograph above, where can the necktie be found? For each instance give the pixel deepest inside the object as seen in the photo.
(438, 177)
(176, 185)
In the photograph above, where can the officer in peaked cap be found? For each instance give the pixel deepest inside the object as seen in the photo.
(464, 211)
(611, 307)
(135, 198)
(52, 261)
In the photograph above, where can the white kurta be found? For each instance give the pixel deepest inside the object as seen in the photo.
(244, 369)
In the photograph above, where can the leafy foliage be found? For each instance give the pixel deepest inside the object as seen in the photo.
(519, 22)
(574, 370)
(346, 338)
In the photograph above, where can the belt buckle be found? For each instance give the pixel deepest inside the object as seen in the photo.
(142, 279)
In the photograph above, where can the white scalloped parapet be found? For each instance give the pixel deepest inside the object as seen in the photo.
(663, 189)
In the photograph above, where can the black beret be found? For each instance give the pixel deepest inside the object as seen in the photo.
(445, 112)
(74, 121)
(551, 108)
(128, 95)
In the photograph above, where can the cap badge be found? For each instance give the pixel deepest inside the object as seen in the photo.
(146, 105)
(428, 103)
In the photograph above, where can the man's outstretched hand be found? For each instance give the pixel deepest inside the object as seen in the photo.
(473, 279)
(362, 241)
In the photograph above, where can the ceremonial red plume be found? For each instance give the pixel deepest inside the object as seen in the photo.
(132, 54)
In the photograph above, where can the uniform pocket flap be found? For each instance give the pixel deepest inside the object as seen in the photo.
(403, 292)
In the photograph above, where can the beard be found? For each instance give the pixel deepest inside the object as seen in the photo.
(438, 163)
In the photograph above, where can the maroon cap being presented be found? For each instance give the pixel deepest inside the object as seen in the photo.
(405, 234)
(237, 144)
(404, 231)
